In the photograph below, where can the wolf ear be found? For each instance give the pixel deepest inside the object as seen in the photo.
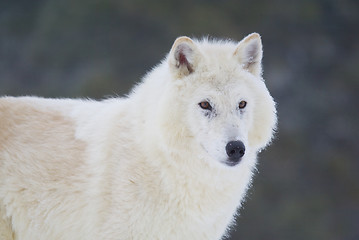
(249, 53)
(183, 57)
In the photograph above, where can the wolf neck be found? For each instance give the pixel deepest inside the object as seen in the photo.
(194, 189)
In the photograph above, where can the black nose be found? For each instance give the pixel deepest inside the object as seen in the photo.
(235, 151)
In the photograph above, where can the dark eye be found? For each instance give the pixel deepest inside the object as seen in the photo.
(205, 105)
(242, 104)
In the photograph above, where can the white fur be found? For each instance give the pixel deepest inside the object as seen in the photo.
(149, 166)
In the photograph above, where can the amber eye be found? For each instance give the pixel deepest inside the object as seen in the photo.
(242, 104)
(205, 105)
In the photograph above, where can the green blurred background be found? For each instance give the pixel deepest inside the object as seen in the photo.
(308, 181)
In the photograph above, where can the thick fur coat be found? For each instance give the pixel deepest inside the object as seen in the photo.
(173, 160)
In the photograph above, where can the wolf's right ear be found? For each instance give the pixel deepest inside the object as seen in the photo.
(249, 53)
(183, 57)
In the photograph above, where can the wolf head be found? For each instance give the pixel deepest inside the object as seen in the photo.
(214, 100)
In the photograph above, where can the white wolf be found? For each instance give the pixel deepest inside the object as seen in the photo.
(173, 160)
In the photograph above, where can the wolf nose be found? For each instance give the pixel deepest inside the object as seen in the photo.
(235, 150)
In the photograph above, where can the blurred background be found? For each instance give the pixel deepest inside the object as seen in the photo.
(307, 185)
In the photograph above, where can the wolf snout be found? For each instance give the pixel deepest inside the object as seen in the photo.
(235, 151)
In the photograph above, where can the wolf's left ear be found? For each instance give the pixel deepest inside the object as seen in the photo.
(249, 53)
(183, 57)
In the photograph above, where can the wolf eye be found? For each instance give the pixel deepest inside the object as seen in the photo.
(242, 104)
(205, 105)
